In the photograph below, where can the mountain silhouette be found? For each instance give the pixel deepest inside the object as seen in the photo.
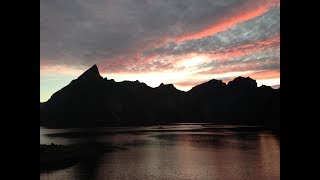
(94, 101)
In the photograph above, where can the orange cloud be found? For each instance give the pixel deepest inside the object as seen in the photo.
(261, 75)
(225, 24)
(246, 49)
(60, 70)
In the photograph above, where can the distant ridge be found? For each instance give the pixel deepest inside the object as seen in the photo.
(94, 101)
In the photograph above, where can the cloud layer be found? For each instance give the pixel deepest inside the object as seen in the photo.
(188, 41)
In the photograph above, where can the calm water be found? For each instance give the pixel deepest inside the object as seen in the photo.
(181, 151)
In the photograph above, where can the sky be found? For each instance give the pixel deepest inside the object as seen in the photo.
(183, 42)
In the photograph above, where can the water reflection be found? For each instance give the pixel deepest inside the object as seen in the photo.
(186, 151)
(270, 155)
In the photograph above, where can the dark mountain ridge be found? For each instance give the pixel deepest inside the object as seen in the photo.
(93, 101)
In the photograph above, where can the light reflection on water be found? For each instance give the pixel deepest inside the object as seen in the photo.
(180, 151)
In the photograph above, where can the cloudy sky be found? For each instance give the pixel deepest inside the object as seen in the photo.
(183, 42)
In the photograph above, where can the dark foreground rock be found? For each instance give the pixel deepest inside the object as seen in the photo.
(53, 157)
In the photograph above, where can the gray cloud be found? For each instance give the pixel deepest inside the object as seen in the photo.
(260, 28)
(83, 32)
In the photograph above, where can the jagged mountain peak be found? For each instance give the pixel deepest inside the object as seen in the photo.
(166, 85)
(209, 85)
(91, 74)
(242, 82)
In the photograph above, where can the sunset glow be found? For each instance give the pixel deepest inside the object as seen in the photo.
(160, 42)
